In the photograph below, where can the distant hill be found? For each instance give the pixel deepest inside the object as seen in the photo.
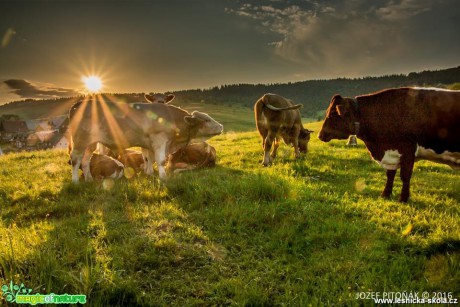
(314, 94)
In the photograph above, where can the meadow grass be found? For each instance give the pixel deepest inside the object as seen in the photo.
(298, 233)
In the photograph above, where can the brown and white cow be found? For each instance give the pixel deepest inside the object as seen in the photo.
(132, 158)
(102, 166)
(277, 117)
(399, 126)
(159, 98)
(192, 156)
(160, 129)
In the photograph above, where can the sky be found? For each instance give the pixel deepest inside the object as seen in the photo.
(158, 46)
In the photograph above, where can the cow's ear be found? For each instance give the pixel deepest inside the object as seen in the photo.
(169, 98)
(192, 121)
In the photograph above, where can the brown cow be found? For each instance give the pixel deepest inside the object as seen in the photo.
(277, 117)
(398, 127)
(159, 129)
(193, 156)
(132, 158)
(102, 166)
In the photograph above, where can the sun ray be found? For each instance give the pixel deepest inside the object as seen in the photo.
(63, 108)
(115, 129)
(74, 123)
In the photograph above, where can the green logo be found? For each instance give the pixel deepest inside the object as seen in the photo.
(19, 294)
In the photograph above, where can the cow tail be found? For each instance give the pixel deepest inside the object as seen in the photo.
(258, 109)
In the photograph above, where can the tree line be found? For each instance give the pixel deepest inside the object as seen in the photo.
(315, 95)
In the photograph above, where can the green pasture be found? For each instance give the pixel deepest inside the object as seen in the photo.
(298, 233)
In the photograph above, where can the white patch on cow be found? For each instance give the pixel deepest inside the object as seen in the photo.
(148, 161)
(118, 174)
(450, 158)
(159, 145)
(391, 160)
(75, 169)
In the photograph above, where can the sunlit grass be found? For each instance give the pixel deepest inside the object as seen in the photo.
(313, 231)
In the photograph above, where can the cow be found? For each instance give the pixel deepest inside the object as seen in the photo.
(159, 129)
(102, 166)
(193, 156)
(277, 117)
(159, 98)
(399, 126)
(132, 158)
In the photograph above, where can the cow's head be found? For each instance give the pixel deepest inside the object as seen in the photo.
(304, 138)
(202, 125)
(339, 121)
(159, 98)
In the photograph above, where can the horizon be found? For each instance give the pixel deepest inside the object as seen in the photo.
(83, 93)
(167, 46)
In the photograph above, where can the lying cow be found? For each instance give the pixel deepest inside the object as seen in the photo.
(193, 156)
(277, 117)
(132, 158)
(160, 129)
(102, 166)
(159, 98)
(398, 127)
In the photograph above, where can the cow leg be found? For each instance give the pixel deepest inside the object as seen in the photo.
(85, 164)
(148, 161)
(75, 161)
(267, 146)
(159, 146)
(389, 185)
(296, 147)
(160, 159)
(407, 166)
(276, 144)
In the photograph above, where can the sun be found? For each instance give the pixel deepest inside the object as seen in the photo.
(93, 83)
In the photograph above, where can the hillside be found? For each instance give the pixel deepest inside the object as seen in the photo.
(303, 232)
(314, 94)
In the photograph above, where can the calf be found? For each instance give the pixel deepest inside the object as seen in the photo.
(398, 127)
(102, 166)
(132, 158)
(277, 117)
(193, 156)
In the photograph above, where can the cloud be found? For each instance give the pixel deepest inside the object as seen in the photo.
(26, 89)
(404, 9)
(346, 37)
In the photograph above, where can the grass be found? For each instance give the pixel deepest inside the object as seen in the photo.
(298, 233)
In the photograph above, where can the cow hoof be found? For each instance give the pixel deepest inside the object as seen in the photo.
(403, 199)
(386, 195)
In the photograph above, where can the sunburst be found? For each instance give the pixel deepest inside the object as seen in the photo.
(93, 84)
